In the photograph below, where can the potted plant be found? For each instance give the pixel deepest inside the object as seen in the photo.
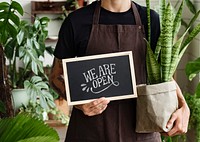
(161, 66)
(23, 41)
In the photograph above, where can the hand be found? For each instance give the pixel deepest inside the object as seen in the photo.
(179, 120)
(95, 107)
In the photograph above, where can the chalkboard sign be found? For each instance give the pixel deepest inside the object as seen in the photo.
(107, 75)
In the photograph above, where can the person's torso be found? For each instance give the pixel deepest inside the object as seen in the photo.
(117, 122)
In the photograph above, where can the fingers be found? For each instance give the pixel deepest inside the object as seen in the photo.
(171, 121)
(95, 107)
(178, 122)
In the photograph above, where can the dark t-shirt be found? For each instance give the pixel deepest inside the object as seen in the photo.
(75, 30)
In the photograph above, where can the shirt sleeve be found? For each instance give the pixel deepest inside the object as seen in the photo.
(65, 45)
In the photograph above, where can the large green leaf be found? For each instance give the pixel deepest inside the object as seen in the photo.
(38, 89)
(153, 68)
(24, 127)
(30, 58)
(177, 21)
(167, 41)
(9, 19)
(175, 55)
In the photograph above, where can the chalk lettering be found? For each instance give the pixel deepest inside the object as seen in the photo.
(101, 78)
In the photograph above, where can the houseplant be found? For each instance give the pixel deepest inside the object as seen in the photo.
(26, 42)
(192, 69)
(28, 46)
(161, 66)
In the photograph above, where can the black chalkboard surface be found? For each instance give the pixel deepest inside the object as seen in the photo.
(107, 75)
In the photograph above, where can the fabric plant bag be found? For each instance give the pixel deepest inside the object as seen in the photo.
(155, 105)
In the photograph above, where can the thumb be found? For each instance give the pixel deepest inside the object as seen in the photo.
(172, 120)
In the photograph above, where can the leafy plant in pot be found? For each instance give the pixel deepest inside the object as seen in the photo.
(158, 99)
(25, 42)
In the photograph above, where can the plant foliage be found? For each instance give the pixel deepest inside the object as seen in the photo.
(28, 46)
(39, 92)
(162, 63)
(193, 100)
(9, 20)
(24, 128)
(25, 41)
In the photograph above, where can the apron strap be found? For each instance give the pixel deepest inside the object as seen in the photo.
(97, 13)
(98, 8)
(136, 14)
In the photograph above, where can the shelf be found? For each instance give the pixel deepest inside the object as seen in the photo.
(39, 7)
(47, 12)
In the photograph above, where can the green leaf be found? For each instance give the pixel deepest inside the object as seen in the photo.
(42, 85)
(24, 127)
(153, 68)
(39, 90)
(16, 6)
(193, 19)
(36, 79)
(149, 20)
(198, 91)
(10, 20)
(36, 23)
(192, 68)
(11, 29)
(162, 5)
(44, 21)
(34, 67)
(175, 55)
(167, 40)
(20, 36)
(39, 139)
(158, 47)
(177, 21)
(191, 36)
(190, 6)
(14, 18)
(4, 6)
(9, 49)
(29, 43)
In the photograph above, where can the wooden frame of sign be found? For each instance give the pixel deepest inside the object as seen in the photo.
(106, 75)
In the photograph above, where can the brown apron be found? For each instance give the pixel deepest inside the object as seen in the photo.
(117, 122)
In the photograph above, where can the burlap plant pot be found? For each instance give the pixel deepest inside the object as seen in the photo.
(155, 105)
